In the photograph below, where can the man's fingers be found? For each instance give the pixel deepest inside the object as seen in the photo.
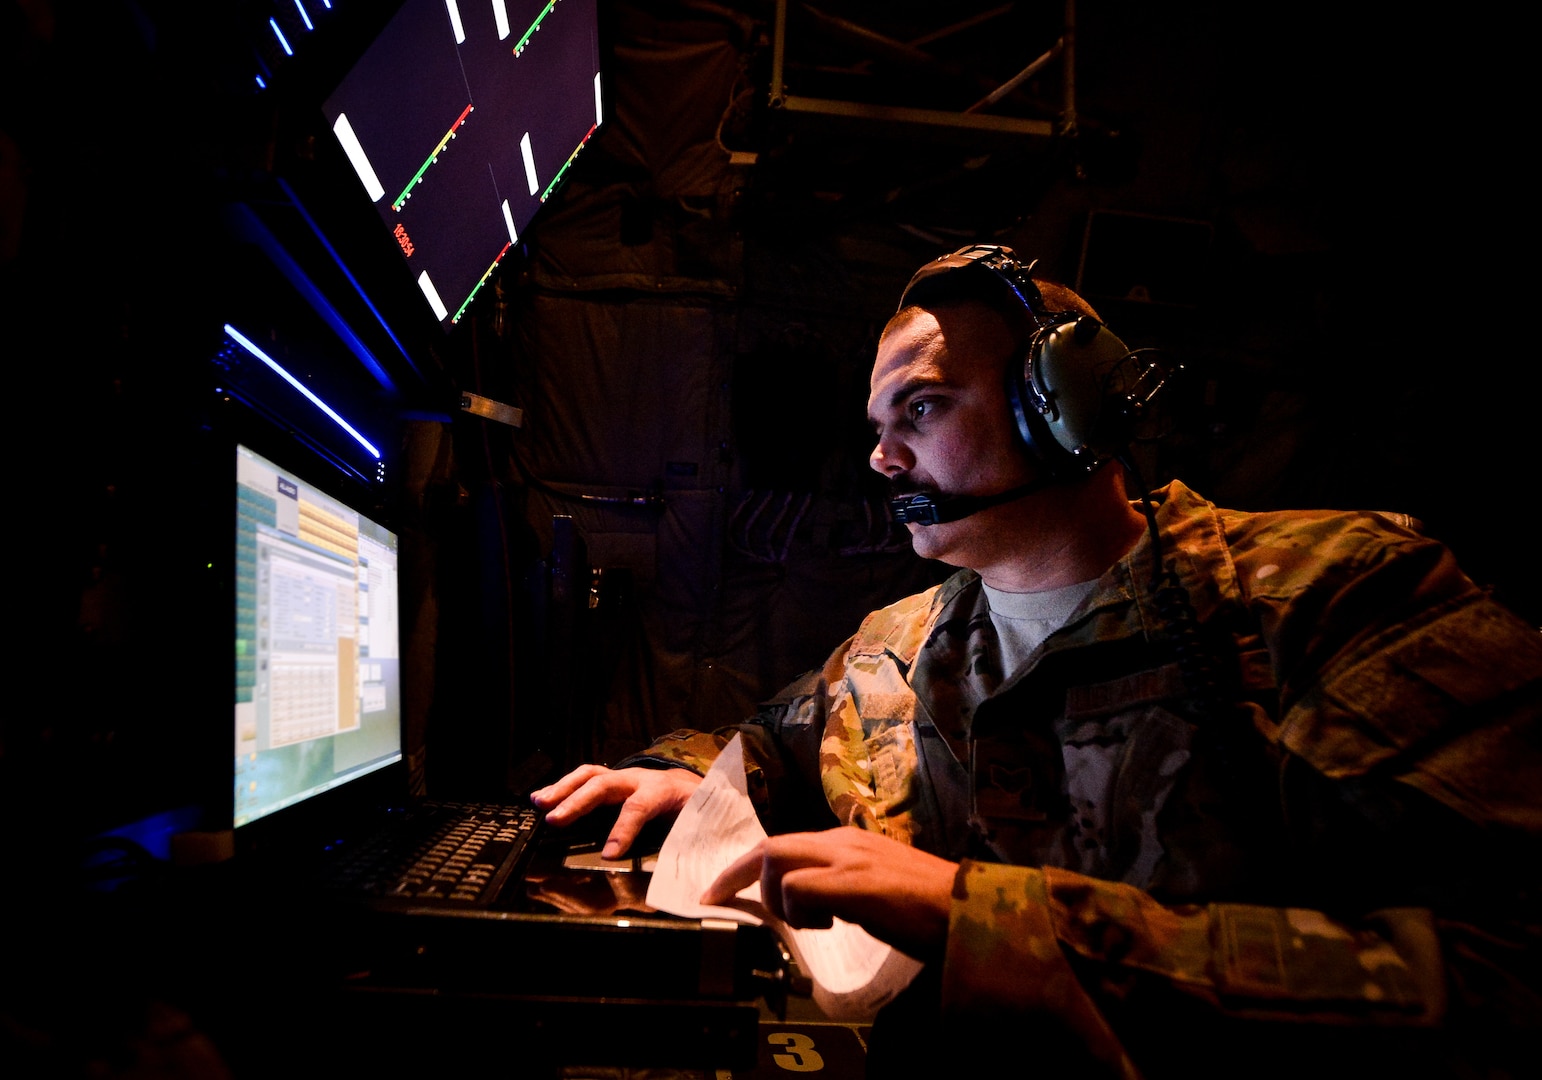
(581, 791)
(793, 856)
(741, 873)
(642, 794)
(804, 898)
(555, 793)
(629, 822)
(772, 862)
(895, 892)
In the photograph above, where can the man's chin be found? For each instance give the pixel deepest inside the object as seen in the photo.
(932, 541)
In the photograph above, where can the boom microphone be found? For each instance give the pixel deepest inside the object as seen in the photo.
(925, 508)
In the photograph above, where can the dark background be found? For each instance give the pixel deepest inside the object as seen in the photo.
(1320, 211)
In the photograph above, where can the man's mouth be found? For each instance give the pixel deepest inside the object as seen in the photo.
(901, 486)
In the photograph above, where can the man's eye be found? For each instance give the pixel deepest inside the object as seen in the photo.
(918, 409)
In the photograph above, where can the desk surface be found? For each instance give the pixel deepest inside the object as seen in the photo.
(183, 964)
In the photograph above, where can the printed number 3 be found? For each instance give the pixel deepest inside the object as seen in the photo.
(802, 1057)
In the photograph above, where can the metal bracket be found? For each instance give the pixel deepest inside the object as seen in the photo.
(492, 410)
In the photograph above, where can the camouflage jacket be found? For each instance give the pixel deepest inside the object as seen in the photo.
(1304, 787)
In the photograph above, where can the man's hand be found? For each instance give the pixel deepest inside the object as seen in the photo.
(644, 794)
(897, 893)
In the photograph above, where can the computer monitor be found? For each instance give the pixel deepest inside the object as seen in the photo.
(317, 660)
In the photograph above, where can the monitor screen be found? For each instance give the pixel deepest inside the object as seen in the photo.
(317, 672)
(460, 121)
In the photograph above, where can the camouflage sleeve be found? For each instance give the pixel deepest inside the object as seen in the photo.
(1102, 960)
(1447, 700)
(781, 755)
(1389, 659)
(682, 749)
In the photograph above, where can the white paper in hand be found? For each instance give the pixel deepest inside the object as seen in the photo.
(853, 973)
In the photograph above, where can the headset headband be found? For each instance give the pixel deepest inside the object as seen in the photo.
(939, 278)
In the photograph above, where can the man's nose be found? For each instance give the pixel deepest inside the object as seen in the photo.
(889, 457)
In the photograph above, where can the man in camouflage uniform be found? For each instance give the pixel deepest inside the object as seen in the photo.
(1135, 788)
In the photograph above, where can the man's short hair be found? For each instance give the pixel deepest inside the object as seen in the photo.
(986, 289)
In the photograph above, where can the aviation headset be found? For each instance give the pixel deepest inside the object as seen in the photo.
(1079, 397)
(1077, 392)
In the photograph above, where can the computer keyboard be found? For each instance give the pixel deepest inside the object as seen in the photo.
(455, 853)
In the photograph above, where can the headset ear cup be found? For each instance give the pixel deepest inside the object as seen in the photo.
(1071, 370)
(1076, 392)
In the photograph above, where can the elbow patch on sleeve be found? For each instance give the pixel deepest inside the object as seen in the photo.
(1413, 686)
(1296, 960)
(1256, 961)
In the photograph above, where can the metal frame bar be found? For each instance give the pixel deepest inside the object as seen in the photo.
(969, 119)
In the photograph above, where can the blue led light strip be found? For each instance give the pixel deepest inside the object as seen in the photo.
(246, 343)
(282, 40)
